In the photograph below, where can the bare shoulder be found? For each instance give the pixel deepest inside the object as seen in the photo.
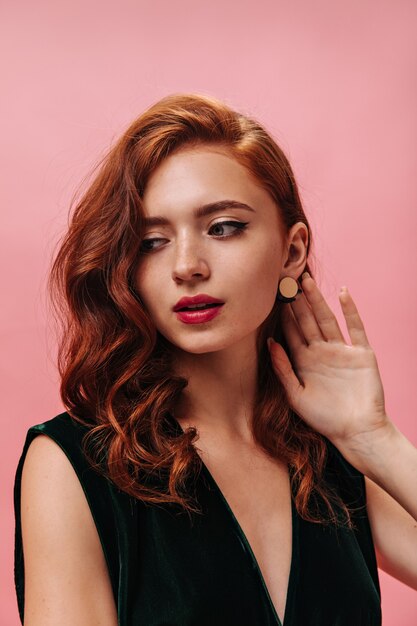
(66, 576)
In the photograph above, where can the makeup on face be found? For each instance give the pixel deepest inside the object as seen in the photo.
(199, 316)
(197, 309)
(207, 228)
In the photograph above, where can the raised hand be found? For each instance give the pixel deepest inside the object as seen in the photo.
(334, 386)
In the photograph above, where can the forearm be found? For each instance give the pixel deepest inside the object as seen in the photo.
(390, 460)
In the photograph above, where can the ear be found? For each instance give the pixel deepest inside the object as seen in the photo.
(296, 246)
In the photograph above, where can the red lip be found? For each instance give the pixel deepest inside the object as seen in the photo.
(201, 298)
(199, 316)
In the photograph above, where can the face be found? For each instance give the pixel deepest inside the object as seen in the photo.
(234, 254)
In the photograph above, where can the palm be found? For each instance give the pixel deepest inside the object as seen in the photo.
(335, 387)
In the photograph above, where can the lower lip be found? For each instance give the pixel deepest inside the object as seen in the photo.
(198, 316)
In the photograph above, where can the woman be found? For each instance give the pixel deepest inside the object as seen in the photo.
(202, 474)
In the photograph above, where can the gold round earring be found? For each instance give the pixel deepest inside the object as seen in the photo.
(288, 289)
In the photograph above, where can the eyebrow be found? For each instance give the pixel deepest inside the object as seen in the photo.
(202, 211)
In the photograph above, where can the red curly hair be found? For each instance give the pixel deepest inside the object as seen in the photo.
(115, 368)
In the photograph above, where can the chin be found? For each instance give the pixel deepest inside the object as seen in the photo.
(200, 347)
(206, 345)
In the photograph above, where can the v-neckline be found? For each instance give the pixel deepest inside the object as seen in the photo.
(250, 552)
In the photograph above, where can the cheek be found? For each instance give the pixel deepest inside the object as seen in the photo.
(259, 280)
(149, 285)
(261, 300)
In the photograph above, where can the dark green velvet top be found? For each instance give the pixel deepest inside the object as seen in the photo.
(168, 569)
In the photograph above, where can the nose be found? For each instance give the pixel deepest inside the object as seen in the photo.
(189, 263)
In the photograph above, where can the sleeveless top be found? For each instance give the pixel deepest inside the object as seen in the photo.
(168, 569)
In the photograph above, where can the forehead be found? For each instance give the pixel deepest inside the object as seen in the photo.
(200, 175)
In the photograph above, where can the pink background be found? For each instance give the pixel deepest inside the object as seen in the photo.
(334, 82)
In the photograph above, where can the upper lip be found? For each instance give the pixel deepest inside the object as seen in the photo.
(200, 298)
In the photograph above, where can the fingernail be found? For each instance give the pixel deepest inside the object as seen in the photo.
(269, 341)
(305, 275)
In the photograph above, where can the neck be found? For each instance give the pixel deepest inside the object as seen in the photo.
(221, 390)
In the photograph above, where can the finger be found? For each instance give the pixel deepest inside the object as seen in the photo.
(325, 320)
(354, 323)
(306, 320)
(283, 368)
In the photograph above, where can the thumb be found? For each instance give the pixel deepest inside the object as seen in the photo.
(283, 368)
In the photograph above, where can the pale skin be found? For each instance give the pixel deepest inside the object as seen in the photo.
(334, 386)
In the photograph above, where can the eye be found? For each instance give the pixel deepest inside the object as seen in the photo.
(238, 226)
(147, 245)
(148, 242)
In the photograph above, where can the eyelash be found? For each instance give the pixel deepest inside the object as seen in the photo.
(240, 227)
